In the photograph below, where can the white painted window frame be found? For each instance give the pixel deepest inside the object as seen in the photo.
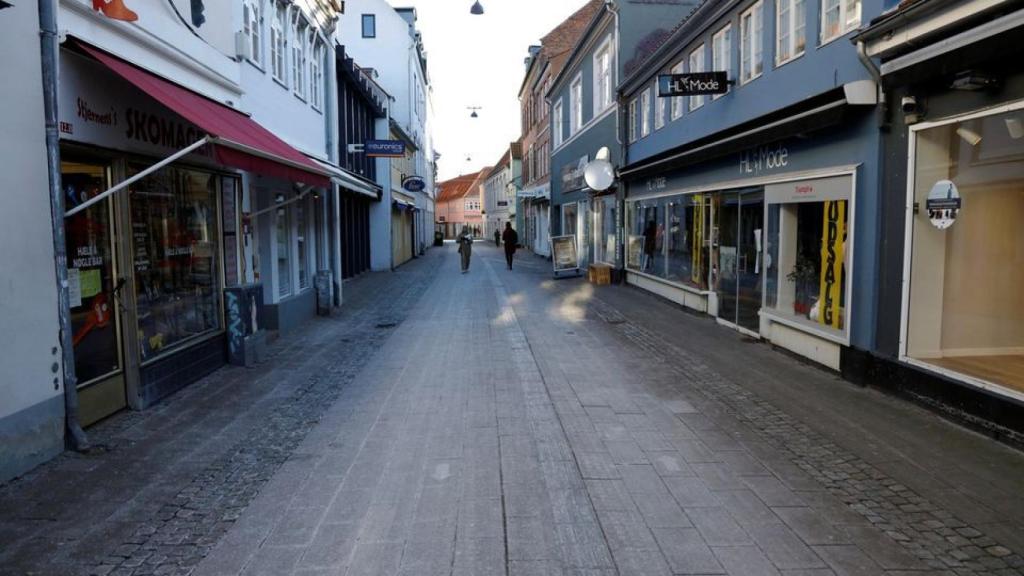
(600, 92)
(279, 43)
(557, 119)
(252, 27)
(722, 61)
(700, 52)
(676, 108)
(576, 104)
(645, 113)
(794, 9)
(659, 107)
(846, 25)
(755, 46)
(633, 120)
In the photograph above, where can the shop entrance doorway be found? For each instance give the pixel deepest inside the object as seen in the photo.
(95, 290)
(740, 216)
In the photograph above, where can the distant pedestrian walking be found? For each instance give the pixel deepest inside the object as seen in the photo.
(497, 237)
(465, 248)
(650, 244)
(511, 240)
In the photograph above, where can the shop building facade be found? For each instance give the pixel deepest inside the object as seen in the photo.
(585, 117)
(499, 192)
(949, 327)
(758, 206)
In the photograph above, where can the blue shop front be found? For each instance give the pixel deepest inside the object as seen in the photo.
(772, 232)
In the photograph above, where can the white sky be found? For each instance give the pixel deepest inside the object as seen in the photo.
(478, 61)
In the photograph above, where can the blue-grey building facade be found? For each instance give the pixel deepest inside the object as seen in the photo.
(585, 117)
(759, 206)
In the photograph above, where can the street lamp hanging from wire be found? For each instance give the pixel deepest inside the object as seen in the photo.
(473, 110)
(477, 8)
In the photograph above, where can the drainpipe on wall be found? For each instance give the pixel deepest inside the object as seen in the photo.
(876, 75)
(74, 434)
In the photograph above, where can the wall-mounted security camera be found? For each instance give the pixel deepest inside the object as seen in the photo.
(911, 110)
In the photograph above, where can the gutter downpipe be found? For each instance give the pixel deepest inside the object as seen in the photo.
(876, 75)
(620, 128)
(74, 435)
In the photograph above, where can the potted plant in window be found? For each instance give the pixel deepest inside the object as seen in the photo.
(805, 275)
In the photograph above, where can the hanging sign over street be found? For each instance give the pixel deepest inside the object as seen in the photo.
(692, 84)
(414, 183)
(384, 148)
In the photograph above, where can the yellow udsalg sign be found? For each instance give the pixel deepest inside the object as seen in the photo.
(833, 248)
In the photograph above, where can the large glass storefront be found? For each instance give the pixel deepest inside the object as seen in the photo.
(964, 308)
(175, 258)
(778, 249)
(604, 229)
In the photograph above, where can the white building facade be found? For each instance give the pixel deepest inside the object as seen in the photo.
(385, 39)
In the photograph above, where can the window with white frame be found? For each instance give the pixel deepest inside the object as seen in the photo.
(838, 17)
(278, 27)
(659, 107)
(316, 75)
(677, 101)
(790, 26)
(472, 204)
(300, 33)
(645, 113)
(369, 25)
(252, 17)
(632, 120)
(721, 54)
(751, 42)
(576, 105)
(556, 122)
(603, 83)
(696, 64)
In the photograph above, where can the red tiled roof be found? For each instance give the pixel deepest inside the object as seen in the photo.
(458, 187)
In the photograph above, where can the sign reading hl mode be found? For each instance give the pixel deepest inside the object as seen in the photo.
(692, 84)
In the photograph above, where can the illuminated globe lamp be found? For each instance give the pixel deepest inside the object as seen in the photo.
(599, 173)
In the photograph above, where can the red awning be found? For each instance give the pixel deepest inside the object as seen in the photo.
(239, 141)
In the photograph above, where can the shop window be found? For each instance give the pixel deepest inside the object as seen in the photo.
(965, 303)
(176, 258)
(282, 237)
(807, 251)
(667, 238)
(569, 216)
(92, 287)
(302, 243)
(604, 229)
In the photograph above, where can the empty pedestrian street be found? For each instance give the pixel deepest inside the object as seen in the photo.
(504, 422)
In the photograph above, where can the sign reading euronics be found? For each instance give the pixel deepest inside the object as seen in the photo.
(384, 148)
(692, 84)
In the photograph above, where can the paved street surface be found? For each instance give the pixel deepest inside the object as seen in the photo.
(506, 423)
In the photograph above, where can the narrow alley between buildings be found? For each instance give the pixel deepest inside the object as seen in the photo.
(502, 422)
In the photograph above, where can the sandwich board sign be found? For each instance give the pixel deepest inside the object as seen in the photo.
(564, 257)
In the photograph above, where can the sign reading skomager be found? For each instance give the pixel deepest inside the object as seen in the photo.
(692, 84)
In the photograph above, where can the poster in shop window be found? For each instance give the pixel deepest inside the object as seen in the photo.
(833, 248)
(564, 258)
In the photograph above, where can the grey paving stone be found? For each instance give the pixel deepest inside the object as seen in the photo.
(639, 562)
(783, 547)
(718, 475)
(583, 546)
(626, 452)
(773, 492)
(626, 530)
(718, 527)
(641, 479)
(745, 561)
(531, 538)
(691, 492)
(686, 552)
(481, 518)
(597, 465)
(571, 507)
(610, 495)
(747, 508)
(848, 561)
(660, 511)
(669, 463)
(332, 547)
(811, 527)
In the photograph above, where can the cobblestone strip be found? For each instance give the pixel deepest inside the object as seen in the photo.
(934, 535)
(184, 529)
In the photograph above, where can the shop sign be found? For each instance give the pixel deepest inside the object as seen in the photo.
(764, 159)
(564, 257)
(97, 107)
(656, 183)
(943, 204)
(833, 248)
(535, 192)
(572, 175)
(815, 190)
(414, 183)
(384, 148)
(692, 84)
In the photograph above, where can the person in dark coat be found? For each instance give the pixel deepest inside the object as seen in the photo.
(650, 243)
(511, 240)
(497, 237)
